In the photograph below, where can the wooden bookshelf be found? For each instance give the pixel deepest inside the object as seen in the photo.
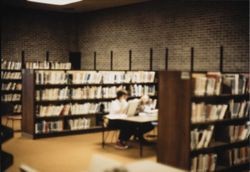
(239, 167)
(11, 70)
(17, 69)
(11, 91)
(219, 146)
(174, 130)
(30, 104)
(221, 122)
(66, 132)
(11, 80)
(6, 79)
(83, 85)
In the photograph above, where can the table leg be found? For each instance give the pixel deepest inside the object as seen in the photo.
(141, 149)
(140, 140)
(103, 134)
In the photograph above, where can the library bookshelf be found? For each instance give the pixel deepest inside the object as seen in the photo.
(11, 88)
(86, 100)
(11, 79)
(177, 127)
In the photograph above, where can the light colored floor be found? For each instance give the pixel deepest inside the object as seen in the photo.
(67, 153)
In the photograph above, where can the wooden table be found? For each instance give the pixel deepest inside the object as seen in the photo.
(136, 120)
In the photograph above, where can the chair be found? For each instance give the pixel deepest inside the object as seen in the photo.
(112, 131)
(13, 118)
(7, 109)
(113, 134)
(153, 135)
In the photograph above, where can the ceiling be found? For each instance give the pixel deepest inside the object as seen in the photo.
(82, 6)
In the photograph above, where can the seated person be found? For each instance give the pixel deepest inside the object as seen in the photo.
(145, 105)
(120, 106)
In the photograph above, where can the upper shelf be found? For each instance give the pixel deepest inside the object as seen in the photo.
(221, 122)
(222, 97)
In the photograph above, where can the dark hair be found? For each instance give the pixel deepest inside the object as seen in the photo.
(121, 93)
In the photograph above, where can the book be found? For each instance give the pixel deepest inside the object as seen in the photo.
(10, 65)
(200, 84)
(239, 132)
(202, 112)
(237, 156)
(47, 65)
(80, 123)
(11, 97)
(204, 162)
(200, 138)
(48, 126)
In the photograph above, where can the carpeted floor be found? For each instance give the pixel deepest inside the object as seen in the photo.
(68, 153)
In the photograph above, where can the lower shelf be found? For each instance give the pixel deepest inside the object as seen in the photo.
(239, 167)
(63, 133)
(219, 146)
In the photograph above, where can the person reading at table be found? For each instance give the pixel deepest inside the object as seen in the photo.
(145, 105)
(119, 107)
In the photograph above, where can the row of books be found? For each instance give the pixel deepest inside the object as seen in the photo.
(204, 163)
(51, 77)
(11, 86)
(11, 65)
(129, 76)
(236, 83)
(93, 77)
(140, 90)
(88, 108)
(53, 94)
(11, 97)
(200, 138)
(11, 75)
(72, 109)
(86, 77)
(239, 132)
(48, 126)
(47, 65)
(17, 108)
(237, 156)
(239, 109)
(94, 92)
(215, 83)
(207, 112)
(79, 124)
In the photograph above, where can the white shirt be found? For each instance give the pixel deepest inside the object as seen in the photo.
(118, 107)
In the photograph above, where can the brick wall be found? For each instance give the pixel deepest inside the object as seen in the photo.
(179, 26)
(36, 32)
